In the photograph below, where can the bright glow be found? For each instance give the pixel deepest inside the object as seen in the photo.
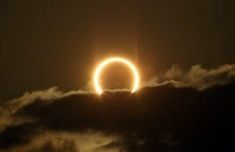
(103, 64)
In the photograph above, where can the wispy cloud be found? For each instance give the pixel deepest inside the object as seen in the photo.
(196, 77)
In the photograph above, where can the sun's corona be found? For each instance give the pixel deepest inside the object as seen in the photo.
(103, 64)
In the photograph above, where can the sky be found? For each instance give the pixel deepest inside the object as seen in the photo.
(57, 43)
(184, 51)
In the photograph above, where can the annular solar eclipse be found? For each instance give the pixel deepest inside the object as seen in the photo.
(107, 62)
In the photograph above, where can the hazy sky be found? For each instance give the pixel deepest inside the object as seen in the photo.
(52, 43)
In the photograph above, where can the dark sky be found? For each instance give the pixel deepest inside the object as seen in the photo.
(56, 43)
(184, 51)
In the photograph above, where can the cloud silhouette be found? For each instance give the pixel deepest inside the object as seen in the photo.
(196, 116)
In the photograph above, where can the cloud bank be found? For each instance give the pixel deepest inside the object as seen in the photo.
(178, 111)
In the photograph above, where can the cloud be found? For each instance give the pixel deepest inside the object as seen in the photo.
(69, 142)
(196, 77)
(9, 108)
(194, 115)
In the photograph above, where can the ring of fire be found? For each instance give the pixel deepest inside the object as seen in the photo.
(103, 64)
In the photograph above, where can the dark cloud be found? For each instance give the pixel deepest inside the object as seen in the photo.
(161, 118)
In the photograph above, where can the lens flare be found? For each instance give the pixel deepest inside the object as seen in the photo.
(103, 64)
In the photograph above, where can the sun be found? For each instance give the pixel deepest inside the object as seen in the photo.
(108, 61)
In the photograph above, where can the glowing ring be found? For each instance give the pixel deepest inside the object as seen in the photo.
(102, 65)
